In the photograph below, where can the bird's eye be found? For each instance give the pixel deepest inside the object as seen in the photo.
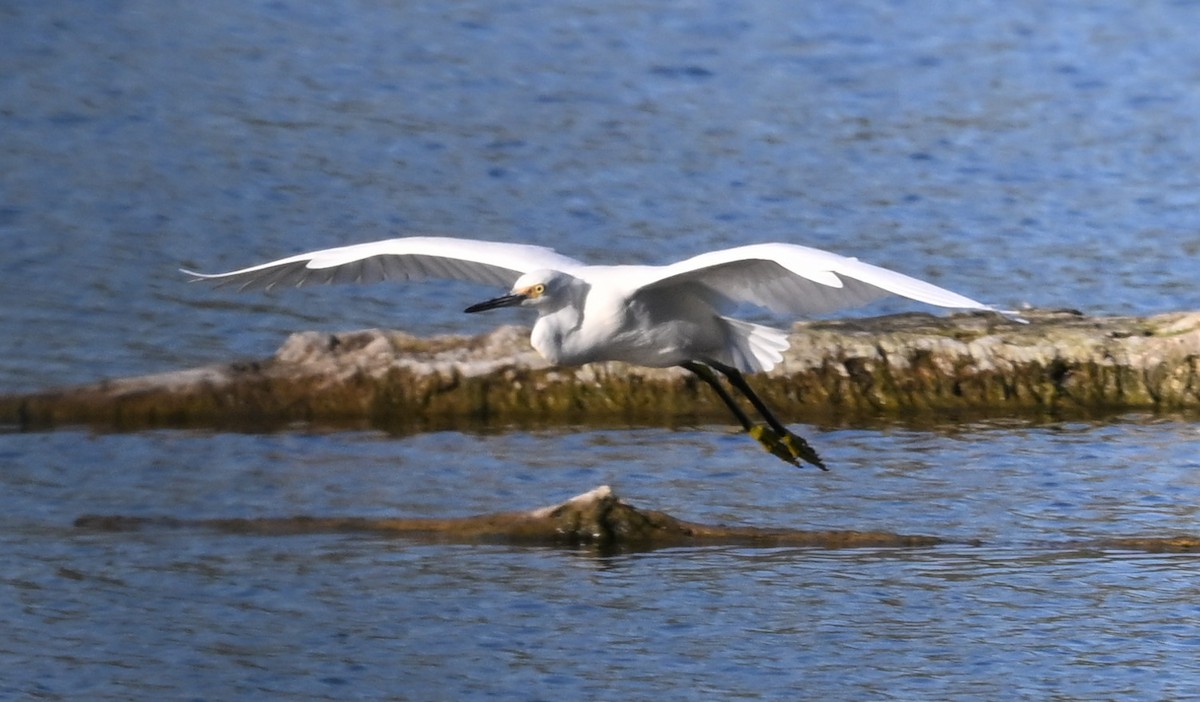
(539, 289)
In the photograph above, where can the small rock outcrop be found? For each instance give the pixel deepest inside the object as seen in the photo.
(596, 519)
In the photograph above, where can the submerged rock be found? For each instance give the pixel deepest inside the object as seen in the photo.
(1060, 362)
(597, 518)
(600, 520)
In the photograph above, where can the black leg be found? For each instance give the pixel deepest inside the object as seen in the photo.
(776, 439)
(705, 373)
(737, 380)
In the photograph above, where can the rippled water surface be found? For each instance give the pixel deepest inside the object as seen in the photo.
(1021, 152)
(1016, 607)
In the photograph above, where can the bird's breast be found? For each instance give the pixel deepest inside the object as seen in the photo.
(611, 326)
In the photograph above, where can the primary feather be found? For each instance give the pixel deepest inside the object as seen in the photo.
(792, 279)
(410, 258)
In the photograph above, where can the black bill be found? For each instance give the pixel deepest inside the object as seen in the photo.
(510, 300)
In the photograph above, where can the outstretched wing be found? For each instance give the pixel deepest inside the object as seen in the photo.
(411, 258)
(791, 279)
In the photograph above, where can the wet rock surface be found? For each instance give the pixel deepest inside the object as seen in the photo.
(902, 365)
(596, 519)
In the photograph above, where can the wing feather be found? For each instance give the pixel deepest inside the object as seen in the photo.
(406, 259)
(785, 278)
(791, 279)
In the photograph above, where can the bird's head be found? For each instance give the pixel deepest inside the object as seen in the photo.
(539, 289)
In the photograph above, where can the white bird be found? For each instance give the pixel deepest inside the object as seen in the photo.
(658, 316)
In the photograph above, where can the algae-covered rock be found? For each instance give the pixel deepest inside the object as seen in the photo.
(900, 365)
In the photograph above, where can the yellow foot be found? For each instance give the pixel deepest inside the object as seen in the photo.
(788, 447)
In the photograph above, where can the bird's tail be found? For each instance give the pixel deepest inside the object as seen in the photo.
(754, 347)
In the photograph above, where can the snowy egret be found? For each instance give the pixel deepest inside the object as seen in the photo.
(656, 316)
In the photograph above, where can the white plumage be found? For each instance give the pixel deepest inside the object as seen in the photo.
(648, 315)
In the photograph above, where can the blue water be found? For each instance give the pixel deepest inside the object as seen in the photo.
(1020, 152)
(1031, 612)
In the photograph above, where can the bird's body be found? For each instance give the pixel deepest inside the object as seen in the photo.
(658, 316)
(595, 316)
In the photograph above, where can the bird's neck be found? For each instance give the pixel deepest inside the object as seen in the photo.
(556, 326)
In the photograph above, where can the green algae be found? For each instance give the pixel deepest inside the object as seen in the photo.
(901, 366)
